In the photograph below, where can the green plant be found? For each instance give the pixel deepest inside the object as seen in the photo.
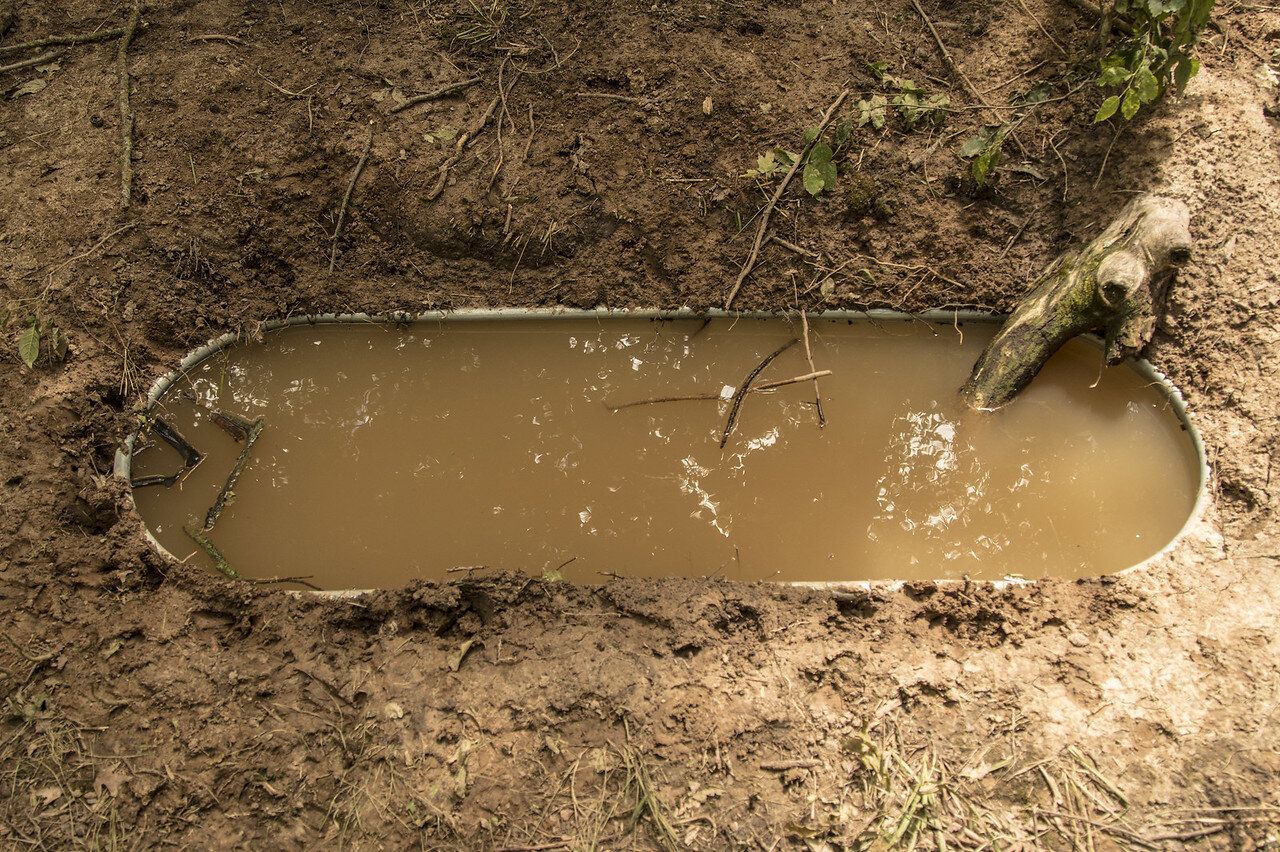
(33, 336)
(1159, 52)
(915, 104)
(985, 148)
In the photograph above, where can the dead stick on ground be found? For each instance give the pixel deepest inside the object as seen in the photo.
(808, 353)
(211, 517)
(346, 199)
(464, 140)
(946, 54)
(216, 37)
(30, 63)
(62, 40)
(126, 112)
(746, 387)
(763, 386)
(436, 94)
(777, 196)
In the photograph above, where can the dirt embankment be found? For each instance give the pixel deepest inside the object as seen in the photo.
(148, 704)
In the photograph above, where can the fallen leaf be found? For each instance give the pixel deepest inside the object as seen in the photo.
(29, 88)
(706, 106)
(393, 710)
(47, 795)
(109, 778)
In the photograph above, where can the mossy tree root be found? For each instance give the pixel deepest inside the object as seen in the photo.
(1117, 283)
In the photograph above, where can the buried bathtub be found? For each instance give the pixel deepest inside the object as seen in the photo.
(536, 441)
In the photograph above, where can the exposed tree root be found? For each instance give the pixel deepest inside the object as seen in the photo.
(1118, 282)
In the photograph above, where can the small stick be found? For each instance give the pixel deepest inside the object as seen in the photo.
(436, 94)
(808, 353)
(303, 580)
(465, 139)
(746, 386)
(790, 246)
(777, 196)
(785, 765)
(171, 436)
(219, 561)
(216, 37)
(1091, 9)
(126, 113)
(763, 386)
(609, 97)
(946, 54)
(346, 199)
(30, 63)
(158, 479)
(211, 517)
(62, 40)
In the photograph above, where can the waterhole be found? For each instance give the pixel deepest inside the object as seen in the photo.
(387, 453)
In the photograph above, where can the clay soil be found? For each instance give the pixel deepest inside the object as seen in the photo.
(148, 704)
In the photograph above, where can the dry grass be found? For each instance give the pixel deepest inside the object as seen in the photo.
(48, 771)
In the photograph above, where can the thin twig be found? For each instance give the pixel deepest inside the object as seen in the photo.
(808, 353)
(126, 112)
(1103, 168)
(436, 94)
(1031, 15)
(1089, 8)
(790, 246)
(224, 494)
(346, 198)
(746, 386)
(606, 96)
(442, 177)
(303, 580)
(216, 37)
(777, 195)
(760, 388)
(946, 54)
(63, 40)
(30, 63)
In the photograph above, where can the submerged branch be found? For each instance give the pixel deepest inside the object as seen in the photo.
(211, 517)
(746, 386)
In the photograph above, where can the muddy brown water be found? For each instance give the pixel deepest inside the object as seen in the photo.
(398, 452)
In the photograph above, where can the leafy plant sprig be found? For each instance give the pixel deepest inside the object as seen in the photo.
(1160, 52)
(33, 336)
(985, 148)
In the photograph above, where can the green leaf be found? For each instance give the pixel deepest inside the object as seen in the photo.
(810, 134)
(878, 68)
(1114, 71)
(1146, 85)
(819, 170)
(978, 142)
(872, 111)
(1187, 68)
(842, 133)
(29, 345)
(1039, 93)
(1130, 104)
(1108, 109)
(985, 164)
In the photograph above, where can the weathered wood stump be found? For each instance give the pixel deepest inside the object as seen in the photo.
(1117, 283)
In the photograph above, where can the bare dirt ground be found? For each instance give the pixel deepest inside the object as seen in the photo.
(150, 705)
